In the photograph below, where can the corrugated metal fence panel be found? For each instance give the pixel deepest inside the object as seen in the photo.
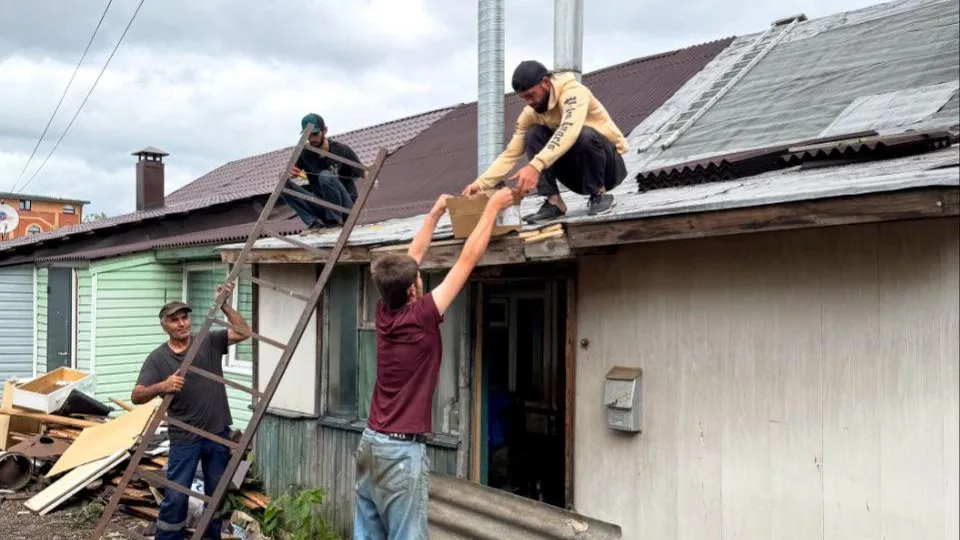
(84, 317)
(128, 299)
(16, 322)
(41, 343)
(306, 454)
(201, 292)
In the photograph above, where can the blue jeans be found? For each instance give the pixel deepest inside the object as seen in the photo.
(181, 468)
(326, 186)
(391, 490)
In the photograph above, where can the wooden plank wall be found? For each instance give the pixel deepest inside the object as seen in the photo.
(304, 453)
(797, 385)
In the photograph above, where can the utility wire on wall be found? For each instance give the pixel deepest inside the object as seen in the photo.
(84, 102)
(57, 108)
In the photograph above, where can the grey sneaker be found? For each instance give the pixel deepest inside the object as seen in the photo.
(600, 203)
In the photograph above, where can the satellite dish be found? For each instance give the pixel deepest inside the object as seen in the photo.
(9, 219)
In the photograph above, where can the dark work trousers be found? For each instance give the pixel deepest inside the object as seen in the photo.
(590, 164)
(182, 463)
(325, 186)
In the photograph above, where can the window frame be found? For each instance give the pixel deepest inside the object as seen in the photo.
(37, 228)
(366, 321)
(26, 205)
(232, 364)
(69, 209)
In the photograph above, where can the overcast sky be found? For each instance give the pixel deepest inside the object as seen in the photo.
(209, 82)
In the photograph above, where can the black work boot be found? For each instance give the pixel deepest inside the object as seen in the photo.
(546, 212)
(600, 203)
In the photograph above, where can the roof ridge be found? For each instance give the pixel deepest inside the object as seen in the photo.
(656, 56)
(398, 120)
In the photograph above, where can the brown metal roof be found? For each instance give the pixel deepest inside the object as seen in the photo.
(443, 158)
(433, 153)
(257, 175)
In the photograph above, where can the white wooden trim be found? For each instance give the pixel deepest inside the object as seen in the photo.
(36, 329)
(94, 279)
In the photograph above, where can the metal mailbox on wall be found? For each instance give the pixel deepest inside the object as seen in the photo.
(622, 395)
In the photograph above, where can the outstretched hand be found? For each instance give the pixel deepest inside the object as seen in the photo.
(502, 199)
(440, 206)
(471, 189)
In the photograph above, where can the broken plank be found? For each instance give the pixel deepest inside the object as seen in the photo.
(49, 418)
(72, 482)
(543, 236)
(122, 404)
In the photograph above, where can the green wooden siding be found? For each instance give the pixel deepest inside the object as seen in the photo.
(41, 343)
(84, 317)
(201, 292)
(129, 294)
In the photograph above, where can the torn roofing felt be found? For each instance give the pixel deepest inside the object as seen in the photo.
(881, 71)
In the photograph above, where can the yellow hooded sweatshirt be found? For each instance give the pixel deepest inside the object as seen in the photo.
(572, 106)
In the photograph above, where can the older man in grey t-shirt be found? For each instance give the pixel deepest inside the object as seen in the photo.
(198, 402)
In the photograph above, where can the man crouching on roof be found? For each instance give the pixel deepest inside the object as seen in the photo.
(391, 460)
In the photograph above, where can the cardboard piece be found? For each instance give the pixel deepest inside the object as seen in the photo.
(465, 213)
(48, 392)
(106, 439)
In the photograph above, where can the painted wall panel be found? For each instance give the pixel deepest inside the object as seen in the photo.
(84, 318)
(278, 315)
(796, 385)
(129, 295)
(41, 343)
(16, 322)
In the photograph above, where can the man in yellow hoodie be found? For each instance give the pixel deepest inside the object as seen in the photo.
(567, 136)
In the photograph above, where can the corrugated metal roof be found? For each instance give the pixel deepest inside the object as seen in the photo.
(5, 195)
(793, 184)
(809, 79)
(443, 158)
(257, 175)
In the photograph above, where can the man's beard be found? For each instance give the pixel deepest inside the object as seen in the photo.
(544, 103)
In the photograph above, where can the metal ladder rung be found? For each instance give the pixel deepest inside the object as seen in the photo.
(277, 288)
(254, 335)
(156, 479)
(297, 243)
(335, 157)
(228, 382)
(205, 434)
(315, 200)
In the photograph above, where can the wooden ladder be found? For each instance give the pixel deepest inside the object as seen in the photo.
(261, 399)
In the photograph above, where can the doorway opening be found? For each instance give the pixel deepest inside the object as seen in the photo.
(522, 388)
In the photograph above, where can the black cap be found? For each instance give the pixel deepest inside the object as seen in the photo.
(528, 74)
(172, 307)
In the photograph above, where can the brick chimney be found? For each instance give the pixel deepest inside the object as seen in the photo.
(150, 178)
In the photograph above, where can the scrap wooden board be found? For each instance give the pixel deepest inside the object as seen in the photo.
(106, 439)
(8, 423)
(72, 482)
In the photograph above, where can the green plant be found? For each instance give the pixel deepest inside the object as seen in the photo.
(296, 517)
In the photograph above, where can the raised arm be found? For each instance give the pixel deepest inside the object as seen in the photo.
(421, 242)
(239, 330)
(506, 160)
(473, 249)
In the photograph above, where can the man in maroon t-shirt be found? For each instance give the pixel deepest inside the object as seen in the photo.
(391, 460)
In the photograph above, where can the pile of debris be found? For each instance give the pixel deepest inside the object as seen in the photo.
(57, 444)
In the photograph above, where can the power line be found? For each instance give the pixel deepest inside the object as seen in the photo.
(84, 102)
(70, 82)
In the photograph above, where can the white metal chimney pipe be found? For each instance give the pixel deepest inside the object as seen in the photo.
(568, 36)
(490, 85)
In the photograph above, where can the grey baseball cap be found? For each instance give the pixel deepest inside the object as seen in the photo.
(172, 307)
